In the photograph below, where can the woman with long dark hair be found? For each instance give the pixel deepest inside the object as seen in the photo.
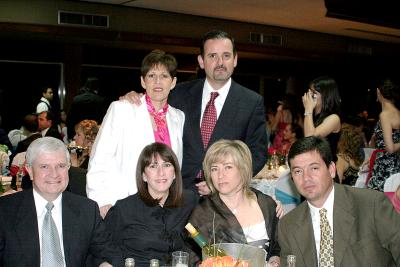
(321, 111)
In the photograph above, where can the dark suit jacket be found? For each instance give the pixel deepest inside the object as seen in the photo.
(366, 231)
(53, 132)
(242, 118)
(83, 231)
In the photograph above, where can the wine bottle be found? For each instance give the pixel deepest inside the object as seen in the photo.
(209, 250)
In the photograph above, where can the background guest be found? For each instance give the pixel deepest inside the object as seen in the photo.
(291, 134)
(386, 159)
(48, 125)
(85, 134)
(321, 111)
(350, 155)
(150, 224)
(128, 128)
(234, 213)
(87, 105)
(44, 103)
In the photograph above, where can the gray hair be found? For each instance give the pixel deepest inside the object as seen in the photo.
(45, 144)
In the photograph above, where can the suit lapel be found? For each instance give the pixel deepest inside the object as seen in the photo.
(26, 228)
(193, 116)
(343, 220)
(70, 216)
(302, 232)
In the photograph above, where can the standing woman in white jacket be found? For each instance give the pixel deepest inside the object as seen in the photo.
(127, 129)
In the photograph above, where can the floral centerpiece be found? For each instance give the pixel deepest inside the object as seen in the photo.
(224, 261)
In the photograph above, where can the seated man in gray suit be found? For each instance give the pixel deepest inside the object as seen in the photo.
(46, 226)
(337, 225)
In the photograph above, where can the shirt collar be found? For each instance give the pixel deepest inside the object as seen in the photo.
(328, 205)
(223, 91)
(41, 202)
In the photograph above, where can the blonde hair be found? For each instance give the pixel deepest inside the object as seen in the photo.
(241, 157)
(89, 128)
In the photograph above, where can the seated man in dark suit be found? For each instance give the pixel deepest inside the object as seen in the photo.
(48, 125)
(46, 226)
(337, 225)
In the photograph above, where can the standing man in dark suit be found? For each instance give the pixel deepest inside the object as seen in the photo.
(337, 225)
(240, 111)
(24, 215)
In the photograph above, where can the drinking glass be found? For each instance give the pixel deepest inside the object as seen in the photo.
(180, 259)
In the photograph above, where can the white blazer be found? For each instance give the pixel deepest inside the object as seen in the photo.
(125, 131)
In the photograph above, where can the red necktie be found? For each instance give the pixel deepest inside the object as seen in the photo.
(209, 120)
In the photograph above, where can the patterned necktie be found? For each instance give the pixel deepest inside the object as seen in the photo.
(209, 120)
(326, 244)
(51, 248)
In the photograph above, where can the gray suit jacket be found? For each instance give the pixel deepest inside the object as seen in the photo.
(366, 231)
(83, 231)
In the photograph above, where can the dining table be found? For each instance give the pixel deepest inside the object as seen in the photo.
(278, 183)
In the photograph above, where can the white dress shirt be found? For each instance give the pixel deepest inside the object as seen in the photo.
(315, 218)
(42, 106)
(56, 212)
(219, 101)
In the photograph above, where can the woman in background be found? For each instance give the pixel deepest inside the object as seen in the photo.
(150, 224)
(234, 212)
(321, 111)
(386, 160)
(350, 155)
(85, 134)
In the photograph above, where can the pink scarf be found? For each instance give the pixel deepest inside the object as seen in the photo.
(161, 134)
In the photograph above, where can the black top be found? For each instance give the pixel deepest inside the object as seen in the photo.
(143, 232)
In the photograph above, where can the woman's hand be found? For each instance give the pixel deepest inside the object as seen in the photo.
(279, 208)
(132, 97)
(309, 102)
(203, 188)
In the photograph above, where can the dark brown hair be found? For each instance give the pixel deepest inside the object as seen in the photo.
(156, 58)
(145, 159)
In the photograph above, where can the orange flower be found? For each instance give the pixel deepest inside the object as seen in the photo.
(225, 261)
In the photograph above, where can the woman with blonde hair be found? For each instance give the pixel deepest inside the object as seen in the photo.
(85, 134)
(234, 212)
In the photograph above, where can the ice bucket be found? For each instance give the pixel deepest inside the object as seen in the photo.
(253, 255)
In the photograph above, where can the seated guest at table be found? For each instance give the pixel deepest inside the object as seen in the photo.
(395, 198)
(350, 155)
(45, 225)
(150, 224)
(85, 134)
(234, 213)
(337, 225)
(291, 133)
(128, 128)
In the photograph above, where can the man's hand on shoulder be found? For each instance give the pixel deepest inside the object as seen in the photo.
(203, 188)
(132, 97)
